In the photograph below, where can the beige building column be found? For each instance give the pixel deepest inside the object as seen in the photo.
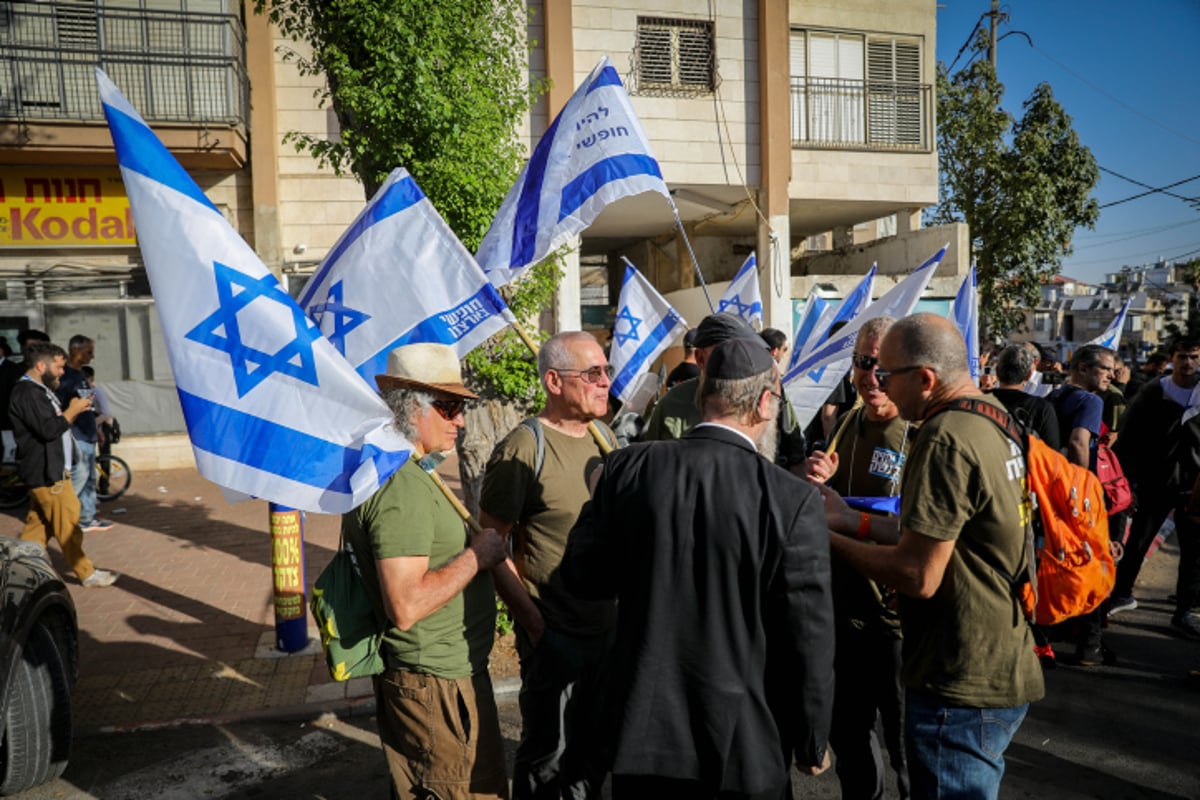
(775, 233)
(560, 69)
(264, 139)
(908, 221)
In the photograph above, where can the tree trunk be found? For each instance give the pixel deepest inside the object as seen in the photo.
(488, 421)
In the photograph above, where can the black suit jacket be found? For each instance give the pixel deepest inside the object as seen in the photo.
(10, 373)
(723, 661)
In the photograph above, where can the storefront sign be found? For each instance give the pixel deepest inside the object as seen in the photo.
(64, 207)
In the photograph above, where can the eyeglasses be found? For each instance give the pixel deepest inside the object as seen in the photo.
(449, 409)
(865, 362)
(591, 374)
(882, 375)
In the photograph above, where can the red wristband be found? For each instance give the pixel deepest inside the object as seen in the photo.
(864, 525)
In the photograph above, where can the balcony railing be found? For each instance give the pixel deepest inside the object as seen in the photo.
(837, 113)
(173, 67)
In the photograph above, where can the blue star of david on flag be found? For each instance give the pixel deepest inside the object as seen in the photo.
(345, 319)
(251, 366)
(630, 335)
(633, 351)
(743, 296)
(735, 302)
(272, 409)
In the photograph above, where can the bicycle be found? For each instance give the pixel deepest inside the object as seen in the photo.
(113, 478)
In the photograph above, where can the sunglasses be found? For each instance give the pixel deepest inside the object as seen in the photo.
(449, 409)
(591, 374)
(865, 362)
(881, 376)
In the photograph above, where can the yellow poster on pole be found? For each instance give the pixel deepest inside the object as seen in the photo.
(64, 207)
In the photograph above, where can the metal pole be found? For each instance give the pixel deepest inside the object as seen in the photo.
(287, 568)
(692, 253)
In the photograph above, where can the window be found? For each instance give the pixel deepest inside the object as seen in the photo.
(675, 56)
(858, 89)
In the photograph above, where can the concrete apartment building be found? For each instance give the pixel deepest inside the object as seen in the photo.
(800, 130)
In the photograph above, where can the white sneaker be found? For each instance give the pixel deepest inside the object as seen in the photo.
(100, 577)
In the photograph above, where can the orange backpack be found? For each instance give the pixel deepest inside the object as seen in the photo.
(1075, 568)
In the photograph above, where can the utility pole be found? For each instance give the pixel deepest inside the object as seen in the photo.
(995, 15)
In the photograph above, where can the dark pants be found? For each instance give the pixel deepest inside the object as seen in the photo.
(1146, 523)
(1148, 518)
(867, 665)
(560, 754)
(651, 787)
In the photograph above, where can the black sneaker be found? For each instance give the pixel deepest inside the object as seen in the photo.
(1187, 625)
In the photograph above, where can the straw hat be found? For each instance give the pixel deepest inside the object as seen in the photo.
(427, 367)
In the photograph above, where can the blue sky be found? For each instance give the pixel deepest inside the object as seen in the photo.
(1126, 72)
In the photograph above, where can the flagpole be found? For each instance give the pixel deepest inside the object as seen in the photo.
(692, 253)
(601, 442)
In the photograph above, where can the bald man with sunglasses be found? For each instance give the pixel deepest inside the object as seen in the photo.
(535, 487)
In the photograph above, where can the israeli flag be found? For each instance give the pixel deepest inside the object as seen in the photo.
(814, 307)
(272, 409)
(966, 316)
(743, 297)
(1111, 338)
(831, 359)
(850, 307)
(595, 152)
(400, 276)
(645, 326)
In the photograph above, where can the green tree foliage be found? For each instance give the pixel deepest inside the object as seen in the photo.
(1022, 186)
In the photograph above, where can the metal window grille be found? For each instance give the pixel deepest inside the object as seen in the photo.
(675, 57)
(888, 110)
(173, 66)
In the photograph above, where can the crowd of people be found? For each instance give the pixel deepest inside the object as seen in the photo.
(699, 612)
(52, 422)
(703, 611)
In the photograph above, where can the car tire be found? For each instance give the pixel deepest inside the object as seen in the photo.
(37, 724)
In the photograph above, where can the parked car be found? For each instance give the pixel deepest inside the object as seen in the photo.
(39, 664)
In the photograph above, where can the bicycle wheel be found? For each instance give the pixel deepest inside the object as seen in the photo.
(112, 473)
(13, 491)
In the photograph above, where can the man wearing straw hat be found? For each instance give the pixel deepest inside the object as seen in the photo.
(437, 714)
(535, 486)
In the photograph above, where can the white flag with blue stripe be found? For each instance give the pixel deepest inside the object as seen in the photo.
(645, 326)
(272, 409)
(814, 307)
(1111, 338)
(810, 381)
(743, 297)
(966, 316)
(595, 152)
(400, 276)
(850, 307)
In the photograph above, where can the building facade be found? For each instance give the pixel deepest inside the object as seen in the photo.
(800, 130)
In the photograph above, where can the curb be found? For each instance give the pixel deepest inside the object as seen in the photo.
(363, 705)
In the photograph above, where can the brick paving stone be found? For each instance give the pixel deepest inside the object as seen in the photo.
(176, 636)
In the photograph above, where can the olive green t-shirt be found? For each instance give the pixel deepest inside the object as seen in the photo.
(675, 414)
(969, 644)
(409, 516)
(545, 509)
(871, 457)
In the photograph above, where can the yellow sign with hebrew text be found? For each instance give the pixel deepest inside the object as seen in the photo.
(64, 207)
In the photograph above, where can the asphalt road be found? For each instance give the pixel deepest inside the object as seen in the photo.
(1128, 731)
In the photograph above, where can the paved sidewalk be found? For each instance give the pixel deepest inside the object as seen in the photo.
(187, 633)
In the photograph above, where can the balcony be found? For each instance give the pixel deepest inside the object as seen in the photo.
(184, 72)
(845, 114)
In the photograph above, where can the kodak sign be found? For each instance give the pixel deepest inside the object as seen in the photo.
(64, 207)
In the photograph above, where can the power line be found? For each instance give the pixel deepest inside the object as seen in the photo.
(1134, 256)
(1149, 232)
(1110, 96)
(1153, 189)
(970, 38)
(1135, 232)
